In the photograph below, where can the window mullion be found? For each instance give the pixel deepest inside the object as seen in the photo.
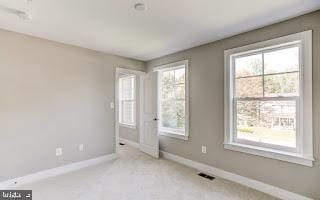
(281, 98)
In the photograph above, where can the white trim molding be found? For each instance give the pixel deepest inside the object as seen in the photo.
(302, 152)
(127, 126)
(124, 70)
(173, 135)
(270, 153)
(55, 171)
(257, 185)
(129, 142)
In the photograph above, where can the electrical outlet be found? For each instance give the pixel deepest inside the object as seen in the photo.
(58, 151)
(81, 147)
(112, 105)
(204, 149)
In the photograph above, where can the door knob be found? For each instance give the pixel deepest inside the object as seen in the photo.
(155, 119)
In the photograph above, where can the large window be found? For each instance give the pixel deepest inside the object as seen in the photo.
(173, 99)
(269, 98)
(127, 100)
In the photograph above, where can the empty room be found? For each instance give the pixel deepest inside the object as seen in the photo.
(159, 100)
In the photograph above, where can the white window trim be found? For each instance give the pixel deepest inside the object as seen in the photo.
(127, 125)
(305, 154)
(166, 131)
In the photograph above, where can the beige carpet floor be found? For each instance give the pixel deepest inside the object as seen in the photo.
(136, 176)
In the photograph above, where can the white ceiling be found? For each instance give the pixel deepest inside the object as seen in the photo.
(167, 26)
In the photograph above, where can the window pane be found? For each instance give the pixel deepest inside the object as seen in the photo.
(248, 66)
(167, 92)
(179, 91)
(168, 114)
(172, 100)
(127, 86)
(173, 114)
(167, 77)
(249, 87)
(127, 99)
(285, 60)
(128, 110)
(179, 75)
(180, 109)
(271, 122)
(282, 85)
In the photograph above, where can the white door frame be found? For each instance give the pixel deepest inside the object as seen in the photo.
(138, 74)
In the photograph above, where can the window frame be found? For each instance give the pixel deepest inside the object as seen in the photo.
(121, 101)
(265, 99)
(171, 132)
(303, 154)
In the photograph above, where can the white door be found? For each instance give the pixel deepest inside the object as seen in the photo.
(149, 139)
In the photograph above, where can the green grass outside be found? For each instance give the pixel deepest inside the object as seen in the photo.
(263, 133)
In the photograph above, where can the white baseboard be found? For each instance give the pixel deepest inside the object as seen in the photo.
(257, 185)
(55, 171)
(129, 142)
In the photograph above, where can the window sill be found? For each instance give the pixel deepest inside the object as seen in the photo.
(173, 135)
(128, 126)
(271, 153)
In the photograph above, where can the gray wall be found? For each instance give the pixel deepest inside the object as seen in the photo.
(129, 133)
(206, 111)
(54, 95)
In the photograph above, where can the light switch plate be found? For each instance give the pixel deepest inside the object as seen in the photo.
(58, 151)
(204, 149)
(81, 147)
(112, 105)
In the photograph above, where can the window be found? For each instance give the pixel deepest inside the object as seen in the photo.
(127, 100)
(268, 95)
(173, 99)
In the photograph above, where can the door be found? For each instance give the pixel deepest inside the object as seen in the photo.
(149, 139)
